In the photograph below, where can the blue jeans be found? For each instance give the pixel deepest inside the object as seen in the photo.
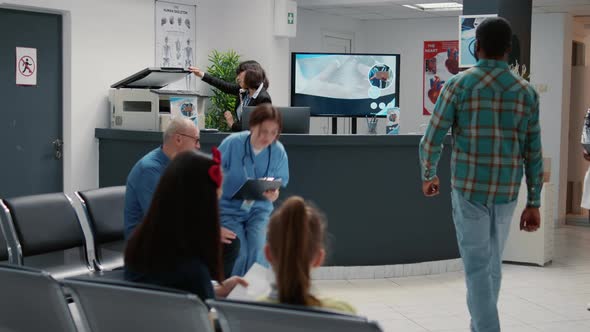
(251, 230)
(481, 234)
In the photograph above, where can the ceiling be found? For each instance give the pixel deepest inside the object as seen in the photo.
(393, 9)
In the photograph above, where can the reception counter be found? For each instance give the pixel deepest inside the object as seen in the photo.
(368, 186)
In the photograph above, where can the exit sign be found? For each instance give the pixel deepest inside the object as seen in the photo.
(285, 18)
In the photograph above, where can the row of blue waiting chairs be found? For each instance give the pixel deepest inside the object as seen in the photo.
(45, 232)
(32, 300)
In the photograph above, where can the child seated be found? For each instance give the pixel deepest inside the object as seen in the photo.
(295, 245)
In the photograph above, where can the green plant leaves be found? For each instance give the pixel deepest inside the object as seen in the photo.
(222, 65)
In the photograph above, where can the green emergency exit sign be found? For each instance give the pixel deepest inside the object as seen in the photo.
(290, 18)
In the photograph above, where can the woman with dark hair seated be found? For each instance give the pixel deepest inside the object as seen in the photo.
(178, 243)
(250, 88)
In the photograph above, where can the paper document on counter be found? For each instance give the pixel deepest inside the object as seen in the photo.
(259, 280)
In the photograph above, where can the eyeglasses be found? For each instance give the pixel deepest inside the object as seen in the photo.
(197, 139)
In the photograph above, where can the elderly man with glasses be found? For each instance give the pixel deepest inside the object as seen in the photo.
(180, 136)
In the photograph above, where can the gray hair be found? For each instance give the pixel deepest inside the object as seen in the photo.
(178, 124)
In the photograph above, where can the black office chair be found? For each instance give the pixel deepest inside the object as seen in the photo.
(4, 254)
(104, 209)
(32, 301)
(118, 306)
(45, 233)
(242, 316)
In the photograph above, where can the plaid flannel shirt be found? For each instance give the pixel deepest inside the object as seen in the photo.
(494, 116)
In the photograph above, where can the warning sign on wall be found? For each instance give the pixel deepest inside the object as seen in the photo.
(26, 66)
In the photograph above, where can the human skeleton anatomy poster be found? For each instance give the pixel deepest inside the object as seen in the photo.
(175, 34)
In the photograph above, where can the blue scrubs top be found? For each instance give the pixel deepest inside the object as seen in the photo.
(240, 164)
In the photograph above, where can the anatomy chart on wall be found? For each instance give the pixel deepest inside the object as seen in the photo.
(175, 34)
(440, 63)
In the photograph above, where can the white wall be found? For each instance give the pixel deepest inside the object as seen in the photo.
(578, 31)
(407, 37)
(246, 27)
(311, 26)
(551, 40)
(582, 35)
(105, 41)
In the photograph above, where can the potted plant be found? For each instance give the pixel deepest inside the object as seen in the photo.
(223, 65)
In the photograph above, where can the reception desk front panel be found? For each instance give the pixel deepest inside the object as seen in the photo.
(369, 187)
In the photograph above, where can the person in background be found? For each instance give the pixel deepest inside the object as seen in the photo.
(178, 243)
(247, 155)
(585, 141)
(494, 116)
(250, 92)
(295, 245)
(585, 204)
(586, 195)
(181, 135)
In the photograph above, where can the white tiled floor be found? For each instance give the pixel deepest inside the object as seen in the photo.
(548, 299)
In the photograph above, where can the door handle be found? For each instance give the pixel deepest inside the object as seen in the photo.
(58, 148)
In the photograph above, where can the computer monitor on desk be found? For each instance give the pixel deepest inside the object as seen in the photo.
(295, 119)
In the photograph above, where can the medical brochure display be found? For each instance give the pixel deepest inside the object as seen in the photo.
(138, 101)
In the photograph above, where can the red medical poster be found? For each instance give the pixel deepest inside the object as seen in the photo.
(441, 62)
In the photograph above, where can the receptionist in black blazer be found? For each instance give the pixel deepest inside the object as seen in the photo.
(250, 88)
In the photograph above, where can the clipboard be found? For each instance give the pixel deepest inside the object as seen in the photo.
(254, 189)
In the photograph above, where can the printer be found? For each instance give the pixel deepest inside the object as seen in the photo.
(138, 102)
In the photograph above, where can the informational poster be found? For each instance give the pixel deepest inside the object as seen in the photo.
(440, 64)
(26, 66)
(184, 106)
(467, 26)
(175, 34)
(392, 125)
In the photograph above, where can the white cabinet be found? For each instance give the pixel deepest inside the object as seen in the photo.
(536, 247)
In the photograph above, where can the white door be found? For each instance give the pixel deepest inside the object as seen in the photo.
(337, 44)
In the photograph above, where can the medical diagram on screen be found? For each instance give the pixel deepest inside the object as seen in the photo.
(347, 77)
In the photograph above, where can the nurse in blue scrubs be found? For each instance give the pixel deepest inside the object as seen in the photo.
(252, 154)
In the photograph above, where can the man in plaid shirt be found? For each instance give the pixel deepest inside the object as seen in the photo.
(494, 116)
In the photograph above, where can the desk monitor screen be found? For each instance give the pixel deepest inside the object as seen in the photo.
(295, 119)
(349, 85)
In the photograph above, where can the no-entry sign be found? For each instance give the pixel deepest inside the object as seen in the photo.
(26, 66)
